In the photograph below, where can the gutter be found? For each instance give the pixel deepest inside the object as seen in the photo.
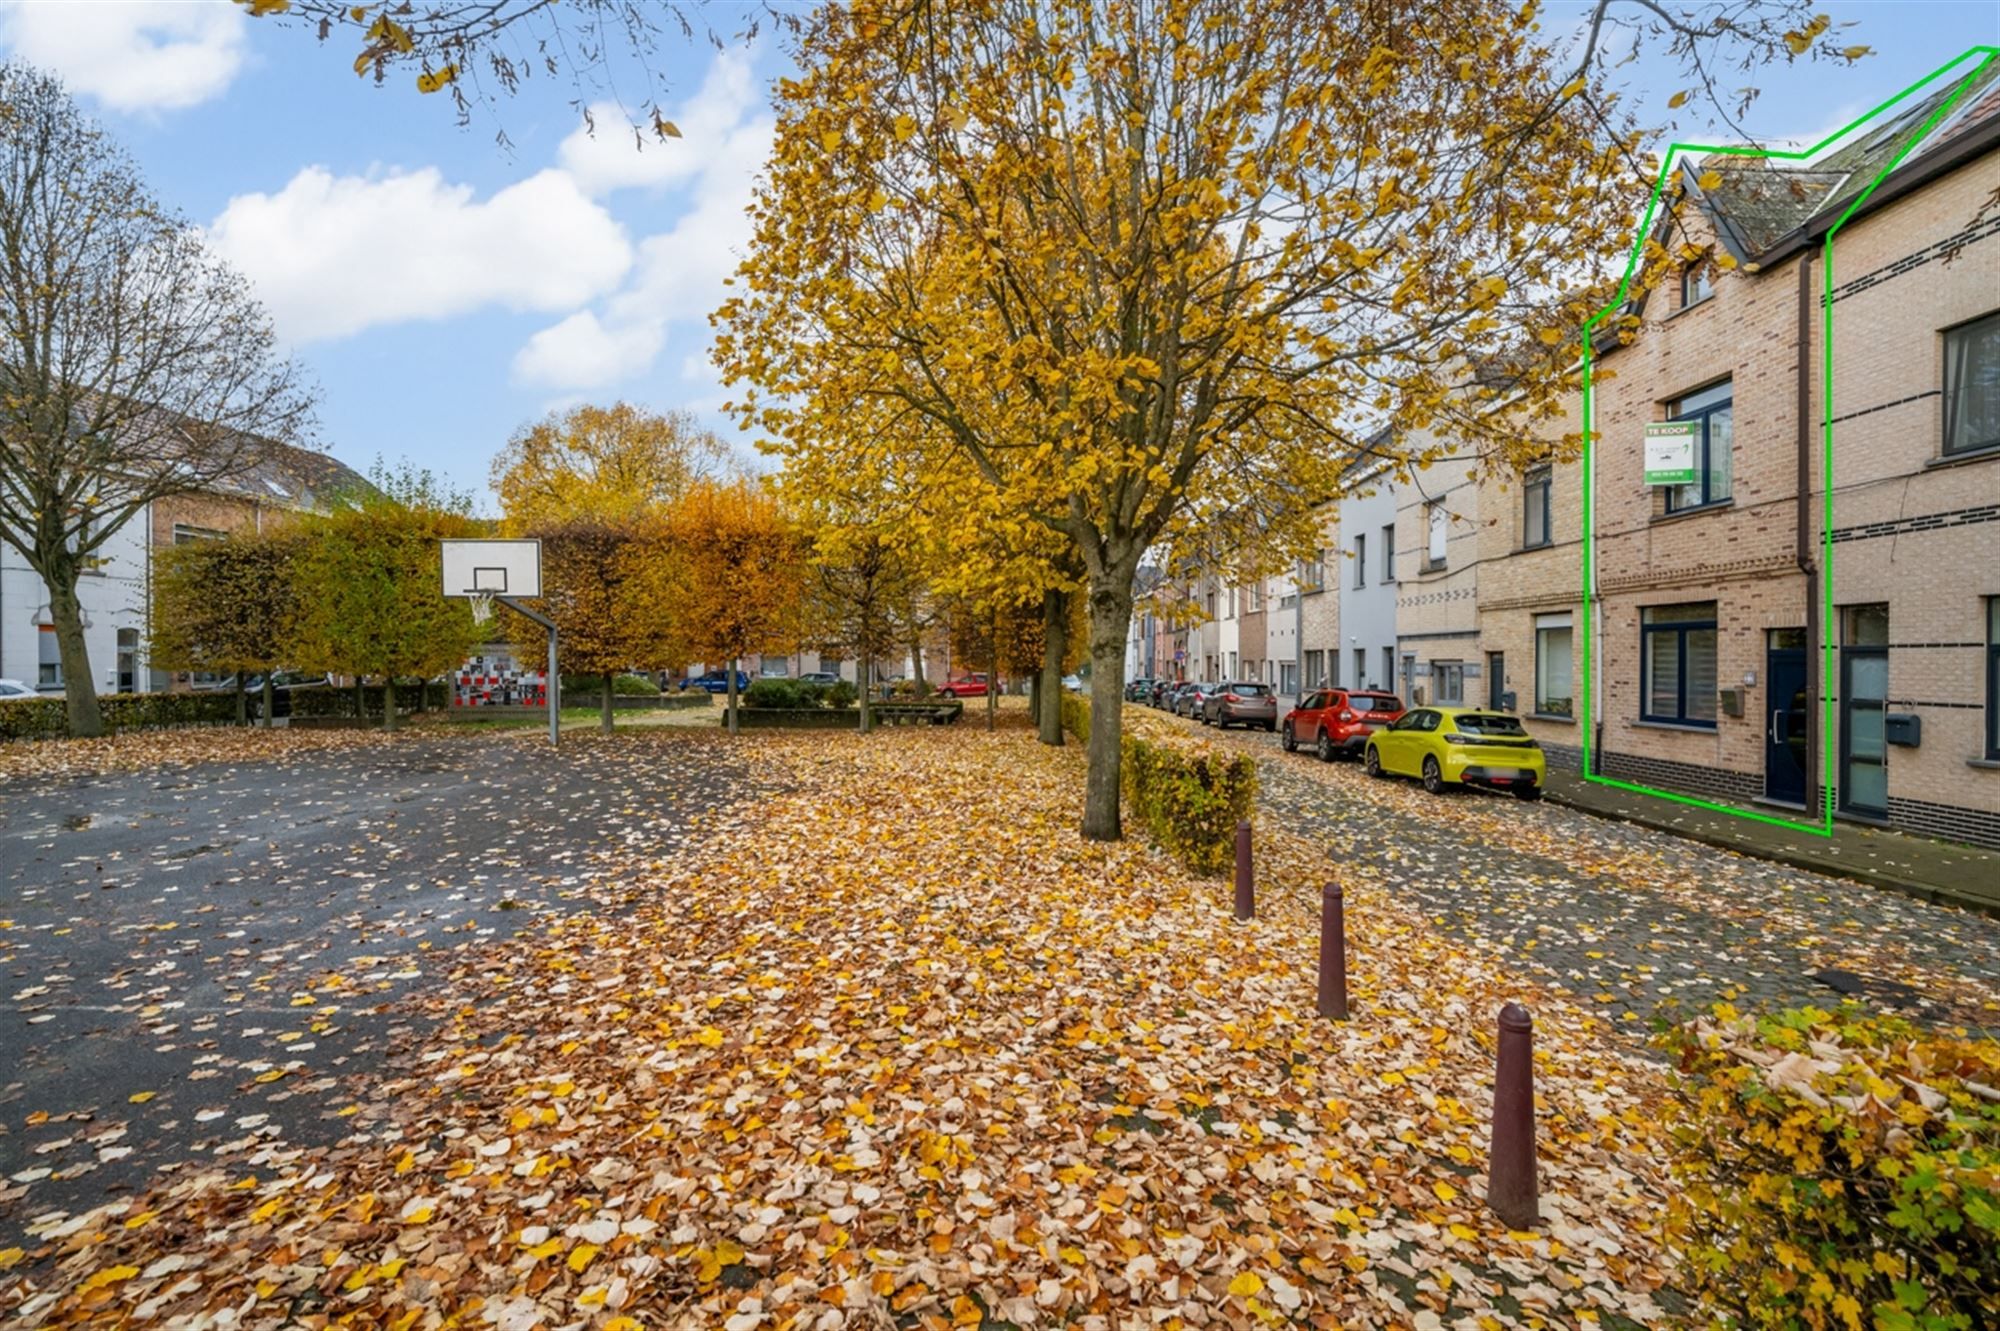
(1802, 552)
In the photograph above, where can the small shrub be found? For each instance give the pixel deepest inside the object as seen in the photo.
(338, 699)
(1190, 796)
(843, 694)
(1076, 716)
(774, 693)
(1836, 1170)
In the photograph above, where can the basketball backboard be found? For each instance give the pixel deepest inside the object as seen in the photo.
(485, 568)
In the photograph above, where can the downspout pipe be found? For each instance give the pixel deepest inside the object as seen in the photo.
(1803, 552)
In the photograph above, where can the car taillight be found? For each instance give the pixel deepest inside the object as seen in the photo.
(1460, 739)
(1346, 714)
(1230, 697)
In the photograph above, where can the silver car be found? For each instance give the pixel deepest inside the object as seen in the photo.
(1188, 702)
(1240, 703)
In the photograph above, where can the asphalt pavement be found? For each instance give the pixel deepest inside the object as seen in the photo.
(197, 963)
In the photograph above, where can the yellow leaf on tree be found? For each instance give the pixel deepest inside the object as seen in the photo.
(1709, 179)
(432, 80)
(1678, 100)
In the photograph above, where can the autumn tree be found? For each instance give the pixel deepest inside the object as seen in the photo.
(606, 464)
(134, 365)
(597, 484)
(225, 606)
(740, 568)
(366, 591)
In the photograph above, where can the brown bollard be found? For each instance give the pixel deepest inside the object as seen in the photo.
(1332, 953)
(1246, 892)
(1510, 1170)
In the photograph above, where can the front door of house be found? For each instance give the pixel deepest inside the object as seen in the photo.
(1787, 716)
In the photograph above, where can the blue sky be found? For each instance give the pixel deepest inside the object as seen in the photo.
(444, 290)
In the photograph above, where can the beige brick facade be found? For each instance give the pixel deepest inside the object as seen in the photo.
(1437, 602)
(1914, 531)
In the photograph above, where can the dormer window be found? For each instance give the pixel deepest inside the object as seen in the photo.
(1696, 286)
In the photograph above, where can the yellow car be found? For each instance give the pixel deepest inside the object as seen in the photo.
(1459, 746)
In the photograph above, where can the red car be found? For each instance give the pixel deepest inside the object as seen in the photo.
(1333, 721)
(968, 686)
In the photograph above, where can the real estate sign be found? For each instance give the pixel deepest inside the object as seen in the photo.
(1670, 452)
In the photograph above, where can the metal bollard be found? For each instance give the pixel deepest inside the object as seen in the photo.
(1332, 953)
(1246, 892)
(1510, 1168)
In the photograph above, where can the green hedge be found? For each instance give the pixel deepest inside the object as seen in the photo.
(48, 718)
(338, 700)
(1189, 795)
(622, 686)
(1836, 1170)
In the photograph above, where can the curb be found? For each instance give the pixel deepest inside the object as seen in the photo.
(1909, 887)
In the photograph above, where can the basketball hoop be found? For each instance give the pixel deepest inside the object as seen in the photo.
(482, 607)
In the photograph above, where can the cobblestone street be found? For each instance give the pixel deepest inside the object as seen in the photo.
(1632, 918)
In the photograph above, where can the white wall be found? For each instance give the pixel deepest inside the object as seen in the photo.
(113, 596)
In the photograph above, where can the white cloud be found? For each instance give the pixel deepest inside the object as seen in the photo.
(580, 352)
(333, 255)
(128, 54)
(679, 276)
(614, 158)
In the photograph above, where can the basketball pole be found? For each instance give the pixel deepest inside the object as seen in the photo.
(555, 680)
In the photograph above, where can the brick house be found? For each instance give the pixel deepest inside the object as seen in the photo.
(1433, 565)
(1710, 578)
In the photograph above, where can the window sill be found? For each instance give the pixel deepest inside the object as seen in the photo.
(1687, 727)
(1685, 308)
(1990, 764)
(1551, 716)
(1696, 511)
(1986, 454)
(1538, 545)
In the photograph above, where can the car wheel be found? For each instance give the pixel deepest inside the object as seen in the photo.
(1325, 747)
(1373, 762)
(1290, 742)
(1528, 793)
(1433, 776)
(1270, 726)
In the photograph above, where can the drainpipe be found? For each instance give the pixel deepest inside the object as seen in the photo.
(1803, 551)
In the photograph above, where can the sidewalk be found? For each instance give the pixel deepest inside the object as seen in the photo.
(1930, 870)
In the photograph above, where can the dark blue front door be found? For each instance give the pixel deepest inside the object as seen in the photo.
(1787, 718)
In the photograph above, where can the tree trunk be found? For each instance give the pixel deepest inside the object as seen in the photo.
(360, 700)
(732, 695)
(270, 700)
(917, 665)
(86, 718)
(1055, 646)
(604, 705)
(993, 669)
(389, 717)
(242, 700)
(861, 673)
(1110, 621)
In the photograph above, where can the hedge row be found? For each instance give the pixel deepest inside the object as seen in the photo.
(338, 700)
(1836, 1170)
(1189, 795)
(795, 693)
(48, 718)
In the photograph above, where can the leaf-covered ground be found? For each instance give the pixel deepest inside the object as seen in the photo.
(897, 1048)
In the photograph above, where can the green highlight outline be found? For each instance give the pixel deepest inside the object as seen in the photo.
(1824, 827)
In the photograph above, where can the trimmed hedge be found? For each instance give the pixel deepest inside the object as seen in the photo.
(48, 718)
(1189, 795)
(1836, 1170)
(338, 700)
(622, 686)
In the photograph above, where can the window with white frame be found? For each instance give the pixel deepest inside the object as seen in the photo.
(1554, 666)
(1448, 682)
(1437, 523)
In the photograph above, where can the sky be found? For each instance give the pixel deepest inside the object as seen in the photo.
(445, 290)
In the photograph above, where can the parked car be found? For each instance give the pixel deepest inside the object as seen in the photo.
(14, 688)
(282, 684)
(823, 678)
(1332, 722)
(1157, 695)
(1241, 703)
(965, 686)
(1072, 683)
(1138, 690)
(1447, 746)
(1189, 701)
(716, 681)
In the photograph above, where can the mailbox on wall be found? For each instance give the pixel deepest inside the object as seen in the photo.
(1904, 728)
(1732, 702)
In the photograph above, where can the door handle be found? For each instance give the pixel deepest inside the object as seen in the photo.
(1778, 727)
